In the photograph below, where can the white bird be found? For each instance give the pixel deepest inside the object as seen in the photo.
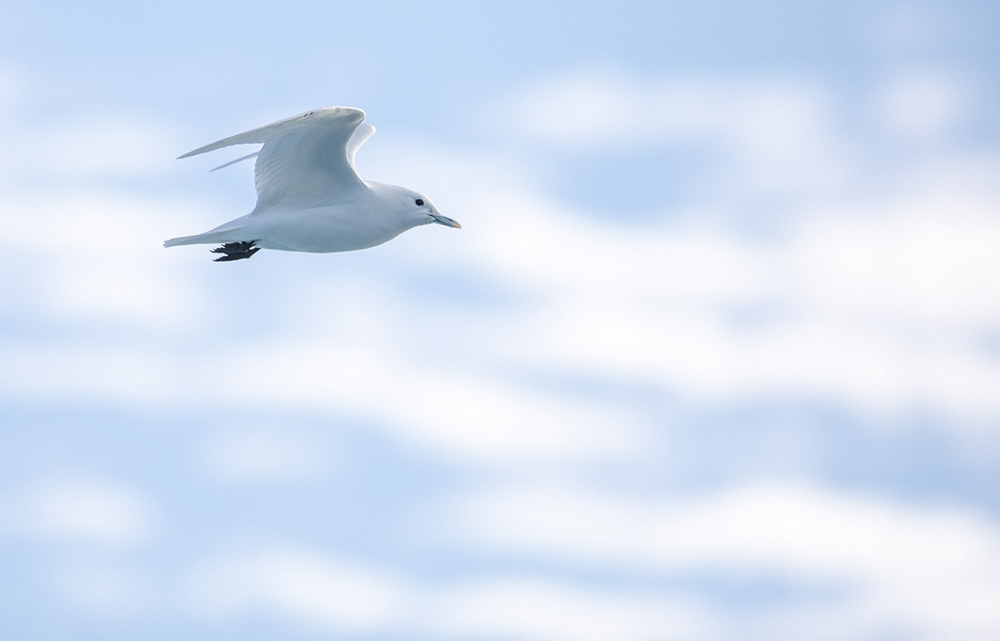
(309, 196)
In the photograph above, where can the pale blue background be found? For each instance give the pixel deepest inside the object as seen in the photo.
(715, 356)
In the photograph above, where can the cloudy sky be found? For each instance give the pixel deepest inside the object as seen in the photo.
(716, 355)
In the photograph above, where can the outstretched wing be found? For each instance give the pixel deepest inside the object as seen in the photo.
(305, 157)
(361, 134)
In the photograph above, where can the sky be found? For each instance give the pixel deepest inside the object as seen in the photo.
(715, 356)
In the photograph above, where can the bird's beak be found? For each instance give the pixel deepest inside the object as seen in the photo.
(444, 220)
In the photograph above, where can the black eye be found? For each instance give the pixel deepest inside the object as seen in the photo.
(420, 202)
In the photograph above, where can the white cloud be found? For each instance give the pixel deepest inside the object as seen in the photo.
(931, 571)
(780, 131)
(542, 245)
(120, 147)
(874, 309)
(469, 417)
(547, 611)
(105, 591)
(466, 415)
(323, 593)
(865, 566)
(98, 256)
(83, 510)
(309, 587)
(251, 454)
(122, 372)
(924, 260)
(923, 103)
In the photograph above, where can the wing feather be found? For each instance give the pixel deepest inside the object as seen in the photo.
(304, 158)
(233, 162)
(361, 134)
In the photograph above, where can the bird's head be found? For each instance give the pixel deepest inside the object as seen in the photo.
(422, 209)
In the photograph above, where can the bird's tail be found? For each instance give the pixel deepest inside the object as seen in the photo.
(231, 232)
(208, 238)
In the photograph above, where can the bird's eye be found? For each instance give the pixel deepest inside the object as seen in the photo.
(420, 202)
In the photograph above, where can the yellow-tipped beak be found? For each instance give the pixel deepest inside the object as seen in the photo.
(444, 220)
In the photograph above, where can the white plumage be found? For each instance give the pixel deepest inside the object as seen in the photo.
(309, 196)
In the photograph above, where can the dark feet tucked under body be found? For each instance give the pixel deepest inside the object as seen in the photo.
(236, 251)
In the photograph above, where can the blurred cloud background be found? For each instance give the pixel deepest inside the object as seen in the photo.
(715, 356)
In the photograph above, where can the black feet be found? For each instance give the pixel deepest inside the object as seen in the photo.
(236, 251)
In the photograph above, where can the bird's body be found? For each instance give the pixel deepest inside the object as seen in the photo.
(309, 197)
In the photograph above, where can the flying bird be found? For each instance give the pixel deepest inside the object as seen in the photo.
(309, 195)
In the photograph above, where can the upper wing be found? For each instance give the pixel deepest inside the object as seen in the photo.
(305, 157)
(233, 162)
(361, 134)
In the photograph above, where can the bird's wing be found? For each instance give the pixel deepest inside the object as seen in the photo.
(361, 134)
(233, 162)
(304, 158)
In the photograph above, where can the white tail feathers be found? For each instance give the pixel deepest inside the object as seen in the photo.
(208, 238)
(231, 232)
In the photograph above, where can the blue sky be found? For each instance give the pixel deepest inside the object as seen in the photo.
(715, 356)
